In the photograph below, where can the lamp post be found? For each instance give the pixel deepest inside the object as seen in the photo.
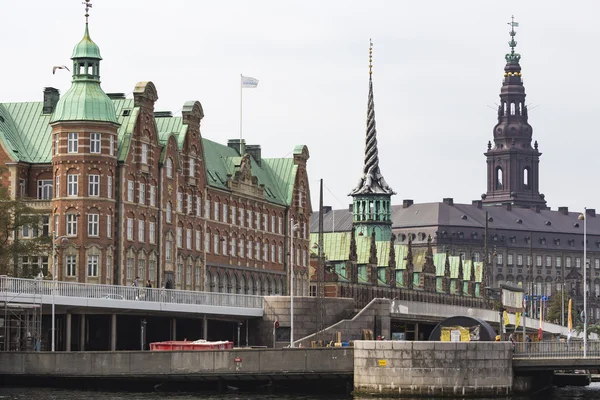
(585, 319)
(64, 239)
(294, 228)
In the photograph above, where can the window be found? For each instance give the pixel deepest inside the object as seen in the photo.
(141, 272)
(130, 267)
(597, 263)
(242, 247)
(224, 246)
(152, 232)
(169, 167)
(272, 253)
(241, 217)
(57, 179)
(192, 167)
(529, 261)
(56, 224)
(109, 188)
(233, 247)
(144, 153)
(249, 250)
(71, 265)
(279, 254)
(578, 262)
(189, 204)
(188, 275)
(56, 143)
(109, 226)
(280, 225)
(197, 276)
(168, 212)
(548, 261)
(500, 259)
(258, 250)
(198, 206)
(207, 208)
(153, 195)
(509, 259)
(46, 225)
(44, 190)
(151, 268)
(26, 231)
(249, 218)
(233, 214)
(179, 202)
(92, 265)
(538, 261)
(179, 237)
(188, 238)
(142, 194)
(71, 225)
(568, 262)
(169, 249)
(94, 185)
(95, 143)
(207, 242)
(558, 262)
(130, 193)
(22, 187)
(198, 239)
(216, 210)
(72, 142)
(93, 224)
(112, 145)
(273, 223)
(129, 228)
(265, 222)
(216, 243)
(178, 273)
(225, 214)
(72, 185)
(141, 230)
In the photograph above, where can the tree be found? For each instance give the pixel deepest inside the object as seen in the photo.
(556, 308)
(591, 328)
(15, 214)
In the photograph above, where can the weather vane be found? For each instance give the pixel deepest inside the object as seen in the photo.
(88, 5)
(370, 56)
(512, 57)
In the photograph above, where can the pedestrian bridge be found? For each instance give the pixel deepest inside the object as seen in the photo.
(127, 298)
(553, 355)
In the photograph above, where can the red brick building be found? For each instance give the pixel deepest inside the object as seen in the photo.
(131, 192)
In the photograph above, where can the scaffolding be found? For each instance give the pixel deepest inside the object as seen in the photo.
(20, 323)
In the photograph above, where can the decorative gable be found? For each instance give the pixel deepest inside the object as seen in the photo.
(242, 181)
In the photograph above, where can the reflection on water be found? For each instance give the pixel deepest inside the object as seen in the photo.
(571, 393)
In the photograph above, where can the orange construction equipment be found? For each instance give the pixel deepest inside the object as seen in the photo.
(198, 345)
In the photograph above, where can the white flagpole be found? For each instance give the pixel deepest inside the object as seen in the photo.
(241, 92)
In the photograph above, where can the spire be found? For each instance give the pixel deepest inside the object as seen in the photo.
(512, 57)
(372, 181)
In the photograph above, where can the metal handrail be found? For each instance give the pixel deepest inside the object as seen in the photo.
(555, 349)
(114, 292)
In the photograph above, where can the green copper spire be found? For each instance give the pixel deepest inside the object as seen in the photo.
(512, 57)
(85, 100)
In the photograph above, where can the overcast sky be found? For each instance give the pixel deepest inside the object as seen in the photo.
(438, 69)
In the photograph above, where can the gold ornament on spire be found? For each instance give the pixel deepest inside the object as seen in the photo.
(88, 5)
(370, 57)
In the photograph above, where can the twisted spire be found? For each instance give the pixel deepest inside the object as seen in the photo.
(372, 180)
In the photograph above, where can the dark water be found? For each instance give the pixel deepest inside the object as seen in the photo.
(571, 393)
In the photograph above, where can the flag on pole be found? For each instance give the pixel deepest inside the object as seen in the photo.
(248, 82)
(506, 320)
(570, 315)
(517, 320)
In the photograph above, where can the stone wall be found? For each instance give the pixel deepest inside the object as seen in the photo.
(433, 368)
(277, 308)
(352, 329)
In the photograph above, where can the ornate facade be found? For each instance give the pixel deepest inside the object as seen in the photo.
(133, 192)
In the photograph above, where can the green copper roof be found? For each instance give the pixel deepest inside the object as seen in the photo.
(85, 101)
(86, 48)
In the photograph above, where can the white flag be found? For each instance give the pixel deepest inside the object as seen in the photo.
(248, 82)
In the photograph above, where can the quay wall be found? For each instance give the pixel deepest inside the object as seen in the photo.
(441, 369)
(219, 364)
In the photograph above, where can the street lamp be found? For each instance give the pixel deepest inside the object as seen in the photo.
(63, 240)
(584, 219)
(294, 229)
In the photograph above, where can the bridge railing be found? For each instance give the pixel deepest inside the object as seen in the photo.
(35, 287)
(553, 349)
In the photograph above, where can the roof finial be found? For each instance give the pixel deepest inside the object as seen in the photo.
(370, 57)
(88, 5)
(512, 56)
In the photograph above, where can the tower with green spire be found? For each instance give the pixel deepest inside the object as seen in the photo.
(85, 100)
(372, 196)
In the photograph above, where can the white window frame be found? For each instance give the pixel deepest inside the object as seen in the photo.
(109, 187)
(192, 167)
(72, 142)
(198, 239)
(112, 145)
(130, 191)
(109, 226)
(141, 230)
(188, 200)
(72, 185)
(56, 143)
(169, 212)
(144, 153)
(198, 206)
(93, 185)
(129, 228)
(152, 232)
(44, 189)
(93, 261)
(142, 193)
(153, 195)
(188, 238)
(169, 167)
(71, 265)
(71, 220)
(95, 143)
(93, 225)
(179, 202)
(179, 237)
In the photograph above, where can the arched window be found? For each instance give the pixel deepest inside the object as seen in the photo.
(168, 212)
(504, 104)
(512, 108)
(499, 178)
(526, 177)
(169, 167)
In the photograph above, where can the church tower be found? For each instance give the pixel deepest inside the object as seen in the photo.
(84, 159)
(371, 197)
(512, 162)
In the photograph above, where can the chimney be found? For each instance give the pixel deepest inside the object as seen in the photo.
(326, 209)
(591, 212)
(448, 200)
(116, 96)
(508, 206)
(407, 203)
(563, 210)
(238, 145)
(51, 96)
(477, 203)
(254, 151)
(163, 114)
